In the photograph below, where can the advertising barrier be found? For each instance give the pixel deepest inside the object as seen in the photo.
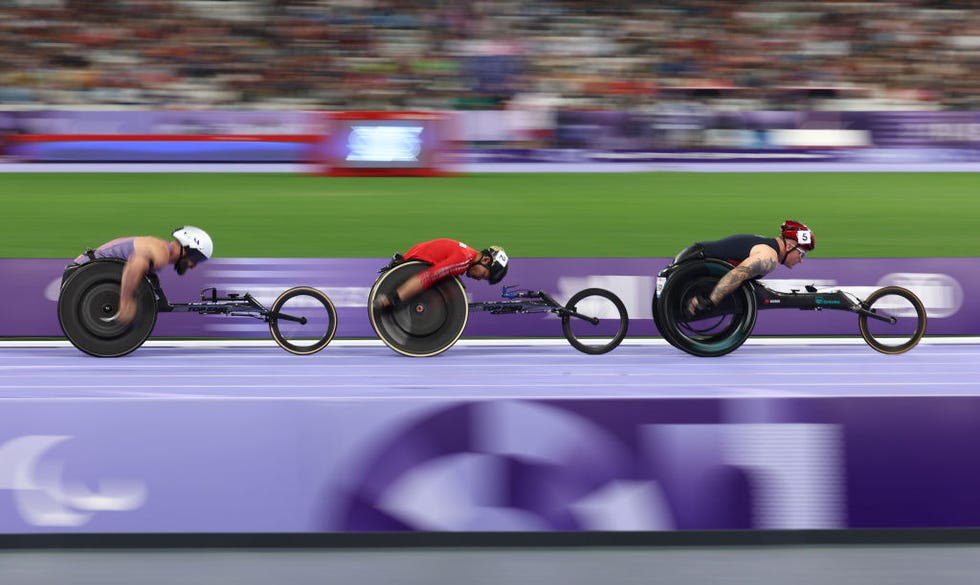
(108, 457)
(153, 465)
(160, 136)
(359, 142)
(32, 285)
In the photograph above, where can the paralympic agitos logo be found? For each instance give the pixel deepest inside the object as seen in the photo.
(44, 497)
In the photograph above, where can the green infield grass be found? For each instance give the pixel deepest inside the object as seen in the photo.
(57, 215)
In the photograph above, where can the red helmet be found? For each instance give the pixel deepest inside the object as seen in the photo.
(794, 230)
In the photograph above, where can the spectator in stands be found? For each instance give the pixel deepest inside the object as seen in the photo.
(293, 53)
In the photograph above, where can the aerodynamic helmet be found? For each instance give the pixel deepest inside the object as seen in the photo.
(498, 263)
(794, 230)
(195, 239)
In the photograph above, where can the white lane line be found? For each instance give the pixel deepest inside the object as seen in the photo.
(463, 386)
(466, 371)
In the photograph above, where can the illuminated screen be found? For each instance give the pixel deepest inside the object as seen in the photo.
(388, 144)
(381, 143)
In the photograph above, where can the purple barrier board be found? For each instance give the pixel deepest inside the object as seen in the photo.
(721, 159)
(147, 151)
(940, 283)
(163, 123)
(676, 129)
(30, 292)
(487, 465)
(252, 122)
(682, 135)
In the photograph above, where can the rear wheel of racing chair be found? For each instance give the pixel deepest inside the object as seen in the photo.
(711, 334)
(664, 331)
(90, 298)
(423, 326)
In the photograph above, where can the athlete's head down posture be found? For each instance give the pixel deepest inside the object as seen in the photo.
(753, 257)
(144, 254)
(447, 258)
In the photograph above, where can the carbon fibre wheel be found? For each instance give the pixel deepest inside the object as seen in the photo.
(89, 299)
(425, 325)
(712, 334)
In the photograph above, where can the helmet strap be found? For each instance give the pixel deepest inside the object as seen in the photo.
(180, 264)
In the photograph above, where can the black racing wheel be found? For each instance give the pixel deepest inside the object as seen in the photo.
(426, 325)
(90, 298)
(715, 333)
(664, 331)
(901, 323)
(594, 321)
(303, 320)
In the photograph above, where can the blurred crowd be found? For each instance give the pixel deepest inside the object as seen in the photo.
(489, 54)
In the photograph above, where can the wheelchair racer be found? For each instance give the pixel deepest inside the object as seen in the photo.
(446, 258)
(753, 257)
(148, 254)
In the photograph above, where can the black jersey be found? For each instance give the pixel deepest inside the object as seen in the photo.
(734, 249)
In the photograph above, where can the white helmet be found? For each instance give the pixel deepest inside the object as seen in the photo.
(196, 239)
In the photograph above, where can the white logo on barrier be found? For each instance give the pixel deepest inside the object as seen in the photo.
(941, 294)
(42, 495)
(794, 474)
(461, 491)
(384, 143)
(636, 292)
(53, 290)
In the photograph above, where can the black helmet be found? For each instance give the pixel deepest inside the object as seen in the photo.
(498, 263)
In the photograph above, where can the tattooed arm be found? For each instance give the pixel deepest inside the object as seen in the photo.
(761, 261)
(753, 266)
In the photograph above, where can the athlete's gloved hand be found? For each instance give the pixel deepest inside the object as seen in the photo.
(383, 302)
(699, 305)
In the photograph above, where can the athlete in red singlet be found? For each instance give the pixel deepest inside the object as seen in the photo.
(448, 258)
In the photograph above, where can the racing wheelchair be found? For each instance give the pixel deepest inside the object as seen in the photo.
(302, 320)
(891, 320)
(594, 320)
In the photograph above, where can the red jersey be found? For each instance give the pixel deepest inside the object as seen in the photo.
(447, 257)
